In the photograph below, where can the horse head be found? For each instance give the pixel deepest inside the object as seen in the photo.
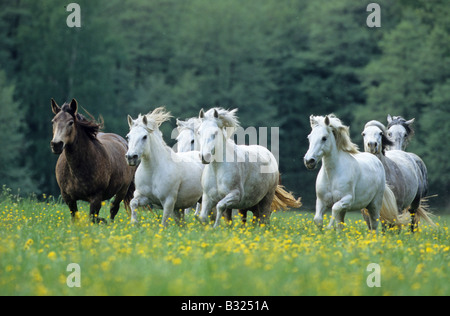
(64, 129)
(399, 131)
(375, 138)
(217, 126)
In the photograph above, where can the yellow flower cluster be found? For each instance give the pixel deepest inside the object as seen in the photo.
(289, 257)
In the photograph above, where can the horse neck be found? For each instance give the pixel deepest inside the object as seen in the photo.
(83, 152)
(228, 154)
(157, 151)
(334, 159)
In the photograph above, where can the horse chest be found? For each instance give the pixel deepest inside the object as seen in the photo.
(80, 183)
(331, 193)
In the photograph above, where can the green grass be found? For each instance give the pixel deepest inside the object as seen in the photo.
(291, 257)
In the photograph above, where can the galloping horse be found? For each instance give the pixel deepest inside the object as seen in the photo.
(91, 165)
(164, 178)
(405, 172)
(348, 180)
(237, 176)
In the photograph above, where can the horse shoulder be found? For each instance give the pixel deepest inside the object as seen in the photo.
(372, 177)
(404, 163)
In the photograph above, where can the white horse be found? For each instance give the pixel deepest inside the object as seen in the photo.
(399, 132)
(348, 180)
(237, 176)
(403, 173)
(165, 179)
(187, 141)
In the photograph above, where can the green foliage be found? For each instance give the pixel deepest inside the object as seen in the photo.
(13, 163)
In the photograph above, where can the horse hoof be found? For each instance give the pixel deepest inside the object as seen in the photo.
(99, 220)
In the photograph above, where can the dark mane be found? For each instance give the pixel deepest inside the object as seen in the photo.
(90, 127)
(398, 120)
(385, 143)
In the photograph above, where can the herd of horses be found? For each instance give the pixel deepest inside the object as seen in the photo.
(211, 172)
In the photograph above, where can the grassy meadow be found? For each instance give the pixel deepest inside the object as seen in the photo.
(291, 257)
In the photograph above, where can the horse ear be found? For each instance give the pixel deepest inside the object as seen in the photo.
(327, 121)
(389, 119)
(144, 120)
(410, 121)
(74, 106)
(312, 121)
(55, 108)
(181, 123)
(201, 114)
(216, 114)
(130, 121)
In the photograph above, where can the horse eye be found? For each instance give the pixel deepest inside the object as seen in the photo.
(390, 134)
(145, 137)
(324, 139)
(363, 134)
(192, 142)
(381, 133)
(70, 123)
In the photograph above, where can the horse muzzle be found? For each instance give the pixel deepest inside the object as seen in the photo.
(206, 159)
(372, 147)
(57, 147)
(310, 163)
(132, 160)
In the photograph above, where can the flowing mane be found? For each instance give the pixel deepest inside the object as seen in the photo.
(153, 120)
(340, 132)
(158, 116)
(191, 124)
(226, 119)
(90, 127)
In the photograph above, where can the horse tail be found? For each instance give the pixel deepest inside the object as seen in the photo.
(423, 213)
(284, 200)
(389, 211)
(128, 197)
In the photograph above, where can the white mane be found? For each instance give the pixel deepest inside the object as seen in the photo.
(226, 120)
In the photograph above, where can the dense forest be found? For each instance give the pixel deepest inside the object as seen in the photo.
(277, 61)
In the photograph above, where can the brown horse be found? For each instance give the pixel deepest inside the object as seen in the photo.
(91, 166)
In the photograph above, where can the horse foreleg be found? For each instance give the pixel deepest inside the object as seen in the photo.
(94, 210)
(73, 209)
(169, 205)
(137, 201)
(206, 209)
(338, 211)
(320, 210)
(226, 203)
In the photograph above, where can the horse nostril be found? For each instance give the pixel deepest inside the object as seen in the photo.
(206, 158)
(310, 163)
(57, 147)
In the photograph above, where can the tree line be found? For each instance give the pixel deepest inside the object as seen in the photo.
(278, 61)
